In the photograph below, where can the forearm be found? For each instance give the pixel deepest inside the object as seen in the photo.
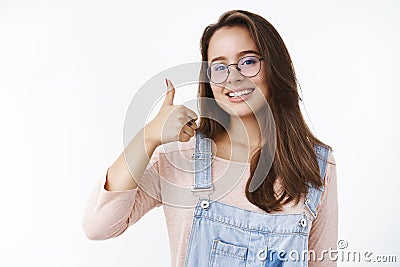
(122, 176)
(118, 201)
(106, 214)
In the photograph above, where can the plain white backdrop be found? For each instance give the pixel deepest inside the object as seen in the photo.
(69, 69)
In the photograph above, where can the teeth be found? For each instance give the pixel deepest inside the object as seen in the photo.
(240, 93)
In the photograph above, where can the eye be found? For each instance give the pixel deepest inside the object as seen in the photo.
(248, 61)
(218, 67)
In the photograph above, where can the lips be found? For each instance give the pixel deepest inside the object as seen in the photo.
(239, 92)
(239, 95)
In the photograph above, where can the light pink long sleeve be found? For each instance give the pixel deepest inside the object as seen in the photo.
(109, 214)
(324, 230)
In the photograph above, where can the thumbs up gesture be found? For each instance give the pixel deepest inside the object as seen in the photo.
(173, 122)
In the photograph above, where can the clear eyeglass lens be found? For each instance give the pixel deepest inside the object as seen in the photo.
(249, 66)
(218, 72)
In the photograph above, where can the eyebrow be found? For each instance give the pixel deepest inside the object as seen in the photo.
(241, 53)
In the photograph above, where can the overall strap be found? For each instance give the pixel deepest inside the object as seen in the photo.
(314, 193)
(202, 162)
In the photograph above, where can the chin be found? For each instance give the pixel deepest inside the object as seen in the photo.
(245, 109)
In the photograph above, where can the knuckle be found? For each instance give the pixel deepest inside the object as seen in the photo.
(181, 119)
(182, 115)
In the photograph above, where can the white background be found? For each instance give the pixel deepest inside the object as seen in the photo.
(69, 69)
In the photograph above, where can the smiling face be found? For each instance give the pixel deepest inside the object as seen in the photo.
(228, 45)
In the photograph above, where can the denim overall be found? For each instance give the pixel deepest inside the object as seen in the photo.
(224, 235)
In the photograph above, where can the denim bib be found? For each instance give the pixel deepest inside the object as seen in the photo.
(224, 235)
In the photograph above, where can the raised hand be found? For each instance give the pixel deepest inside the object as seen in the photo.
(173, 122)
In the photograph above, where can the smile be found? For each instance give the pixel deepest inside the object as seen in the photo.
(239, 96)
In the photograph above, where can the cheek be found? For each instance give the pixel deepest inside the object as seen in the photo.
(216, 89)
(261, 83)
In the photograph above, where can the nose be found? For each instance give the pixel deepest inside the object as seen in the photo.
(234, 75)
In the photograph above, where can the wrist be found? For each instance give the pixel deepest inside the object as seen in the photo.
(150, 139)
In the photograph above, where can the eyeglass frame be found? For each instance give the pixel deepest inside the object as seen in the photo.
(237, 68)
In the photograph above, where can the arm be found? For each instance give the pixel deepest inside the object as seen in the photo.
(109, 213)
(138, 151)
(118, 202)
(324, 229)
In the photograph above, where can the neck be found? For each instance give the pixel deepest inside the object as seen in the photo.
(244, 132)
(242, 139)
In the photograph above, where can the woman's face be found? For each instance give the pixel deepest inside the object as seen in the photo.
(228, 45)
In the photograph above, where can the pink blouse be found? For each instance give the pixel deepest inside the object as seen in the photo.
(109, 213)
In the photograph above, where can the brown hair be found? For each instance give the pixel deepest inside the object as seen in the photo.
(294, 161)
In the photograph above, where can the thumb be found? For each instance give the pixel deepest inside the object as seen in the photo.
(169, 97)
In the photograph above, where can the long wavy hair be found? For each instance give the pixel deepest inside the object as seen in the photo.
(294, 162)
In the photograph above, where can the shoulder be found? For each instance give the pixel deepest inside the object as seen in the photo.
(331, 157)
(175, 150)
(326, 159)
(330, 167)
(176, 146)
(330, 181)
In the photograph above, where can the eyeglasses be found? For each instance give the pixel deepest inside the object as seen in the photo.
(248, 66)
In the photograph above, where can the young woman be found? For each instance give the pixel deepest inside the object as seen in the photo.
(281, 208)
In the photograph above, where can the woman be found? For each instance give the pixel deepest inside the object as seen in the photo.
(283, 200)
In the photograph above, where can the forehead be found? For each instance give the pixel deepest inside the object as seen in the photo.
(229, 41)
